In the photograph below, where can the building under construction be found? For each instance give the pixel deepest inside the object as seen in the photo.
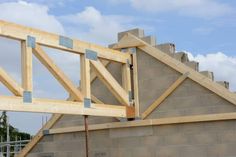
(137, 98)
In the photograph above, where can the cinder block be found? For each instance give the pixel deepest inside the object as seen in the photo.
(202, 138)
(122, 152)
(164, 130)
(153, 141)
(224, 84)
(38, 148)
(194, 151)
(208, 74)
(47, 138)
(168, 151)
(224, 150)
(131, 132)
(67, 146)
(51, 154)
(150, 40)
(193, 64)
(176, 139)
(181, 56)
(143, 151)
(137, 32)
(128, 142)
(227, 136)
(100, 153)
(168, 48)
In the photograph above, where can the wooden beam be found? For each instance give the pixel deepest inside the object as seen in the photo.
(10, 83)
(62, 107)
(136, 85)
(182, 68)
(57, 73)
(95, 99)
(126, 78)
(20, 32)
(93, 75)
(105, 76)
(126, 81)
(127, 42)
(26, 66)
(85, 76)
(159, 100)
(150, 122)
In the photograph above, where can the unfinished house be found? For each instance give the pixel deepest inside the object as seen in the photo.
(174, 110)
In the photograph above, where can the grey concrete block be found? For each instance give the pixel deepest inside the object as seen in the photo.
(48, 138)
(227, 136)
(38, 148)
(222, 150)
(100, 153)
(224, 84)
(127, 142)
(137, 32)
(181, 56)
(168, 151)
(165, 130)
(193, 64)
(203, 138)
(168, 48)
(131, 132)
(143, 151)
(208, 74)
(150, 40)
(194, 151)
(176, 139)
(46, 155)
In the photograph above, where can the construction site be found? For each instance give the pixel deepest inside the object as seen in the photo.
(136, 98)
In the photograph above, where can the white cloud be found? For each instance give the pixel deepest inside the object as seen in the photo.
(197, 8)
(91, 25)
(33, 15)
(30, 14)
(223, 66)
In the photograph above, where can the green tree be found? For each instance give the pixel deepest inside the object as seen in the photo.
(14, 132)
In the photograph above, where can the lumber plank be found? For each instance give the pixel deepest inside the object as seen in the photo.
(136, 86)
(10, 83)
(159, 100)
(93, 75)
(150, 122)
(126, 78)
(26, 66)
(57, 73)
(85, 76)
(105, 76)
(62, 107)
(126, 42)
(19, 32)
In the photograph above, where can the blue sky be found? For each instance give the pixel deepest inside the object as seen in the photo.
(206, 29)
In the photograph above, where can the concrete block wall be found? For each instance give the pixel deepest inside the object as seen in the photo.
(188, 99)
(211, 139)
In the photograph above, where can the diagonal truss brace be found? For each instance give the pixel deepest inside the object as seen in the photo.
(57, 73)
(170, 90)
(105, 76)
(10, 83)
